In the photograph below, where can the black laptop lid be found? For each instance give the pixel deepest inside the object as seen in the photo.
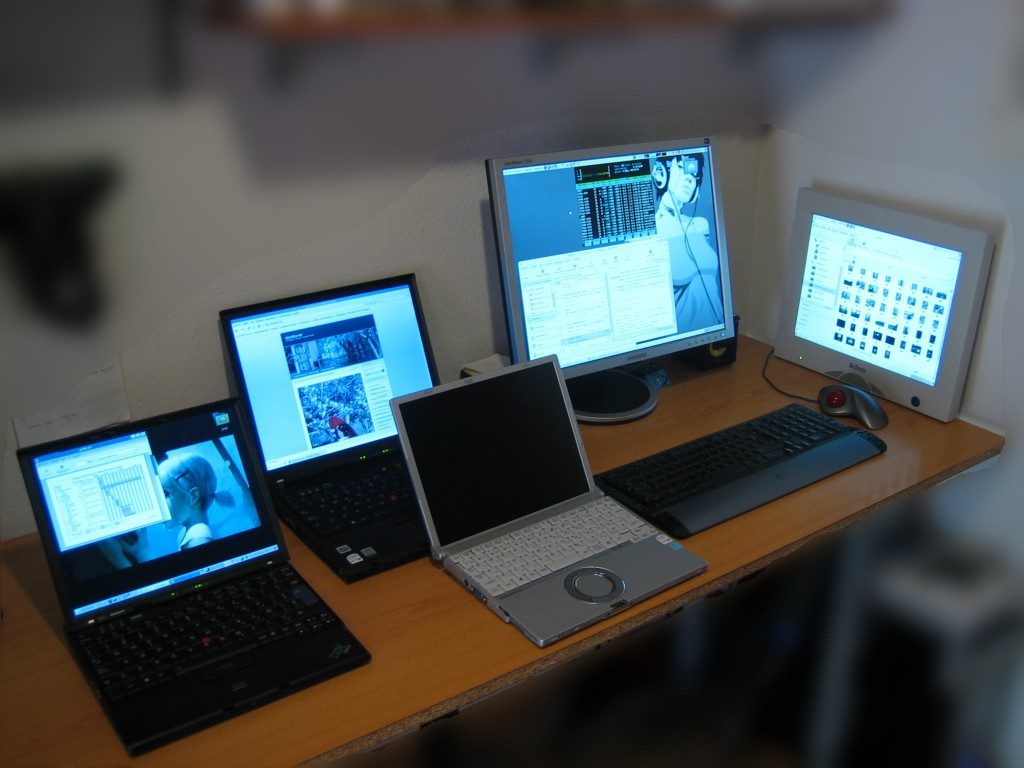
(318, 371)
(155, 507)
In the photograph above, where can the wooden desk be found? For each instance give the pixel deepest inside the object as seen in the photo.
(435, 648)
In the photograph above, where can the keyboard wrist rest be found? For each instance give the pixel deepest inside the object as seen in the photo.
(707, 508)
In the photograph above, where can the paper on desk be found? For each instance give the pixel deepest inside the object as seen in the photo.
(98, 401)
(484, 365)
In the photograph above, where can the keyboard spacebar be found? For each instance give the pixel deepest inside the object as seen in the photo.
(717, 505)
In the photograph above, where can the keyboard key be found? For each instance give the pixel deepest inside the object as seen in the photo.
(353, 500)
(551, 544)
(132, 653)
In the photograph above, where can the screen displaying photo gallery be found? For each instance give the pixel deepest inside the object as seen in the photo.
(320, 376)
(878, 297)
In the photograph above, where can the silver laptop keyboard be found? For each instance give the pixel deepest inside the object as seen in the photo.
(530, 553)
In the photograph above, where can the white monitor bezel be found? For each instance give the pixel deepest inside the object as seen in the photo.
(941, 400)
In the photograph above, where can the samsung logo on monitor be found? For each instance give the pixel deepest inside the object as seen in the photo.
(636, 356)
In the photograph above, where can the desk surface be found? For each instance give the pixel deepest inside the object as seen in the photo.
(435, 648)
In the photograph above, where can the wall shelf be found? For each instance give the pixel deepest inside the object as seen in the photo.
(294, 30)
(564, 18)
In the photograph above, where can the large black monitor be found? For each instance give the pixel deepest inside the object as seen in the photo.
(884, 299)
(610, 257)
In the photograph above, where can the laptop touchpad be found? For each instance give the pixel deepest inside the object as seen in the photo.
(594, 585)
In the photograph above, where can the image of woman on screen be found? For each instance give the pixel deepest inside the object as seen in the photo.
(190, 486)
(207, 497)
(695, 278)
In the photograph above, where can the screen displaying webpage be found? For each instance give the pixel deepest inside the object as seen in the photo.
(878, 297)
(320, 377)
(615, 254)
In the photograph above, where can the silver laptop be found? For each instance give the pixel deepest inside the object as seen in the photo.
(511, 508)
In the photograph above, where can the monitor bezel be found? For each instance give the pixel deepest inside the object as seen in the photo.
(940, 401)
(511, 289)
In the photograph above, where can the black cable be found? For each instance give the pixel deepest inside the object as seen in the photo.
(764, 375)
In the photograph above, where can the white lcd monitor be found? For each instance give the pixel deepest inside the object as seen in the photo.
(609, 257)
(883, 299)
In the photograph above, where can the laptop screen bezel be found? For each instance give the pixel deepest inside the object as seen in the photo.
(441, 546)
(382, 446)
(70, 601)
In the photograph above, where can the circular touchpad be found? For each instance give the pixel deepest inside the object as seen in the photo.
(594, 585)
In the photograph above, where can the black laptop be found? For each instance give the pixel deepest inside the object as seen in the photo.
(179, 601)
(317, 373)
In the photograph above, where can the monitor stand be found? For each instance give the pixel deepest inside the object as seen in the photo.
(610, 397)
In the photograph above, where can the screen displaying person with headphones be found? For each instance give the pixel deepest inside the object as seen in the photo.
(615, 252)
(695, 280)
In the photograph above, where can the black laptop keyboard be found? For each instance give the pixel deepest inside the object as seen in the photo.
(201, 631)
(714, 460)
(352, 501)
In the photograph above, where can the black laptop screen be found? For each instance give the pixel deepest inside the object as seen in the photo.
(146, 508)
(493, 451)
(318, 371)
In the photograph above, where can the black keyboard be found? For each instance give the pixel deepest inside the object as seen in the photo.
(199, 631)
(354, 500)
(693, 486)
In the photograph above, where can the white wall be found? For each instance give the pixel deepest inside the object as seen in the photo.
(236, 242)
(370, 163)
(928, 115)
(791, 161)
(918, 119)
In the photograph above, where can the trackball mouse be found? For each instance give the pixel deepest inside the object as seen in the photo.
(844, 400)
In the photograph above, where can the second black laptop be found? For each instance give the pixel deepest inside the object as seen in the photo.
(317, 373)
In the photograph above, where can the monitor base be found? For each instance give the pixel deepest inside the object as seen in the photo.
(610, 397)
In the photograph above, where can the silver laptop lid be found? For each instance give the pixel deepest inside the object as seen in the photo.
(490, 451)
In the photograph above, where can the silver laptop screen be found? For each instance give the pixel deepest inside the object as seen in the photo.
(495, 450)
